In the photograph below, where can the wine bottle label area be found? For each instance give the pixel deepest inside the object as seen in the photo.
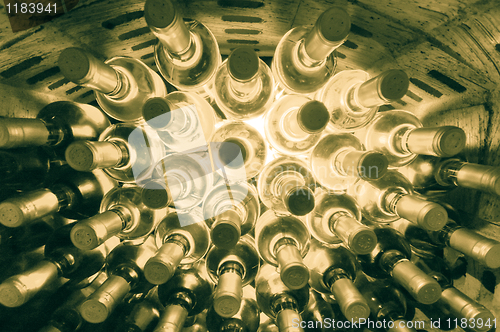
(203, 187)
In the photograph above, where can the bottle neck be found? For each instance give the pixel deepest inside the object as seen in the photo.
(179, 240)
(181, 121)
(284, 302)
(474, 245)
(92, 232)
(315, 48)
(358, 237)
(480, 177)
(333, 274)
(106, 79)
(290, 187)
(161, 267)
(56, 134)
(461, 306)
(66, 196)
(389, 86)
(351, 302)
(303, 61)
(19, 289)
(447, 172)
(160, 193)
(425, 214)
(293, 272)
(285, 182)
(86, 156)
(390, 259)
(232, 325)
(179, 185)
(444, 141)
(291, 127)
(229, 291)
(391, 199)
(353, 101)
(421, 286)
(173, 318)
(246, 90)
(400, 325)
(143, 315)
(232, 266)
(177, 39)
(226, 228)
(361, 164)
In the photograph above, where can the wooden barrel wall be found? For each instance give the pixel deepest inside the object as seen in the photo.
(449, 48)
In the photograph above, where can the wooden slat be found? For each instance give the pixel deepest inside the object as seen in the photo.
(424, 15)
(489, 205)
(423, 63)
(365, 23)
(474, 41)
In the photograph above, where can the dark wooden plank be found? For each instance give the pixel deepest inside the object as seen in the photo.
(474, 41)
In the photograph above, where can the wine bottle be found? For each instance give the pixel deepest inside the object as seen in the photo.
(318, 314)
(286, 185)
(33, 315)
(187, 54)
(239, 151)
(23, 239)
(56, 125)
(76, 196)
(276, 300)
(66, 318)
(185, 295)
(247, 318)
(30, 168)
(232, 269)
(182, 239)
(197, 323)
(387, 304)
(230, 212)
(453, 303)
(304, 59)
(183, 120)
(122, 214)
(269, 325)
(333, 271)
(390, 258)
(62, 260)
(338, 161)
(434, 176)
(480, 248)
(400, 136)
(180, 180)
(121, 84)
(126, 152)
(295, 123)
(336, 219)
(353, 98)
(124, 267)
(283, 241)
(19, 262)
(391, 197)
(144, 314)
(244, 85)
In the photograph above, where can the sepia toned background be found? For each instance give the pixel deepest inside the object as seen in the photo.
(449, 48)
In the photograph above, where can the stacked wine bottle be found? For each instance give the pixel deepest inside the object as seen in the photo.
(249, 199)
